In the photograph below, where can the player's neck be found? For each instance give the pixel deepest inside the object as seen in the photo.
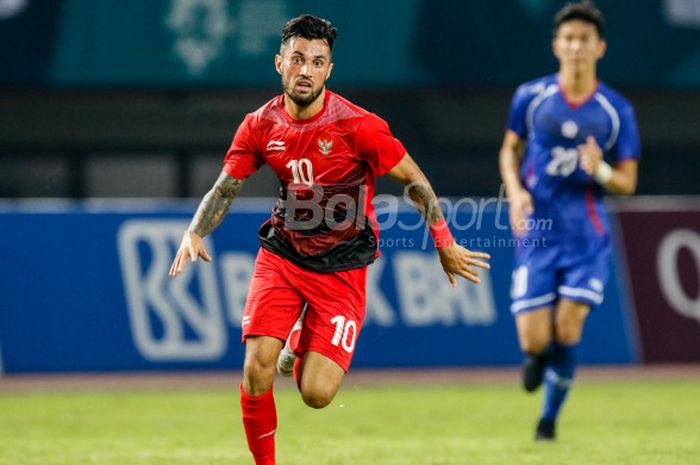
(578, 85)
(301, 113)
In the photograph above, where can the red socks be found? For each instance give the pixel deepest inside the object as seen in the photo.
(260, 423)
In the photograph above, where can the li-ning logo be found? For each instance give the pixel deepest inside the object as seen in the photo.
(325, 146)
(276, 145)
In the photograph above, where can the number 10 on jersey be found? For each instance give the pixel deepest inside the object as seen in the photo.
(302, 171)
(345, 333)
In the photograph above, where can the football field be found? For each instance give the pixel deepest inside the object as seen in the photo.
(633, 422)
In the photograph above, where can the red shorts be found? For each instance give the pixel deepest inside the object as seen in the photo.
(335, 304)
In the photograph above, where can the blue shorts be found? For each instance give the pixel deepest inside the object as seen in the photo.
(574, 269)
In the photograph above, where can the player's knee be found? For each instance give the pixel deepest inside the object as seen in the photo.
(317, 397)
(534, 344)
(316, 400)
(568, 332)
(258, 376)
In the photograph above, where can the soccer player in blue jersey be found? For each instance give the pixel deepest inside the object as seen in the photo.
(569, 139)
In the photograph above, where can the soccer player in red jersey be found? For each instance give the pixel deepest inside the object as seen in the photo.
(323, 232)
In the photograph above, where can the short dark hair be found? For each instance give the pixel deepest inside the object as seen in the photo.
(583, 11)
(309, 27)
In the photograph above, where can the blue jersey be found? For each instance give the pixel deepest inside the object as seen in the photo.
(567, 201)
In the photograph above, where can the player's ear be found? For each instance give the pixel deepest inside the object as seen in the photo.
(278, 64)
(602, 47)
(554, 47)
(330, 68)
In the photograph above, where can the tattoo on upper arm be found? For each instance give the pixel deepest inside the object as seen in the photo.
(426, 201)
(215, 204)
(228, 186)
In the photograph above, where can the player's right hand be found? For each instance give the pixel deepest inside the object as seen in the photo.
(191, 247)
(521, 206)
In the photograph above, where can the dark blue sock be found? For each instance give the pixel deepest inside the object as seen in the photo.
(558, 377)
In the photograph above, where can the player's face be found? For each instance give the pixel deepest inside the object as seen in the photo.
(304, 66)
(578, 46)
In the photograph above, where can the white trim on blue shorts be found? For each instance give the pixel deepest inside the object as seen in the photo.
(577, 292)
(527, 304)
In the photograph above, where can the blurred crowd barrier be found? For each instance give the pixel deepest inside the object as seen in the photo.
(113, 144)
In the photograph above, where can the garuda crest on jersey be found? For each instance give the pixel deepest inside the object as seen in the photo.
(325, 146)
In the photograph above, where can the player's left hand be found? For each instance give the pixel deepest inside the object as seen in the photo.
(590, 155)
(456, 260)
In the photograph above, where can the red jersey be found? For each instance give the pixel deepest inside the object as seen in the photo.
(327, 166)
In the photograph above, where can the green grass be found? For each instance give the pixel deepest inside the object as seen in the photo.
(653, 423)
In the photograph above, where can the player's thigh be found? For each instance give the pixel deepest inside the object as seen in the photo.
(320, 379)
(570, 317)
(581, 287)
(534, 329)
(534, 279)
(586, 271)
(334, 315)
(273, 304)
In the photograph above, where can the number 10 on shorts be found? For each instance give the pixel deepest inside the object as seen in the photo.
(345, 333)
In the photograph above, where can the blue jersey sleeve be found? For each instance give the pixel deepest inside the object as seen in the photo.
(517, 119)
(628, 146)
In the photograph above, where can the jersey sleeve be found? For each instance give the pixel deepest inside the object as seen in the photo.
(627, 146)
(377, 146)
(517, 118)
(243, 157)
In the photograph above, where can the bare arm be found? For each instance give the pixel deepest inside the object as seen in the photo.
(623, 177)
(408, 174)
(209, 215)
(455, 259)
(509, 160)
(215, 204)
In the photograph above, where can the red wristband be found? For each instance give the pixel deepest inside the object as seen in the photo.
(440, 232)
